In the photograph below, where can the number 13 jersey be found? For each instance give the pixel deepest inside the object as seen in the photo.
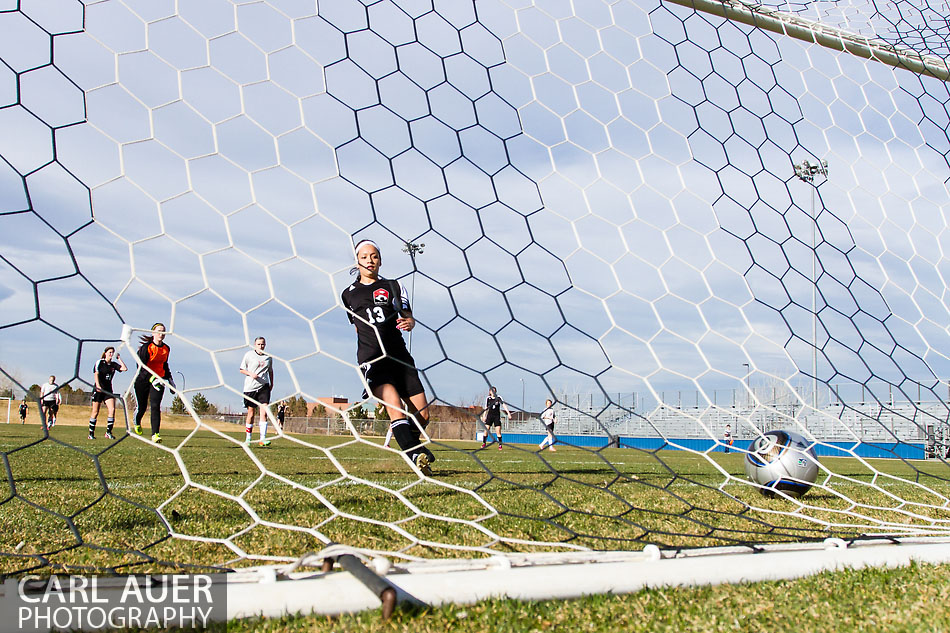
(375, 307)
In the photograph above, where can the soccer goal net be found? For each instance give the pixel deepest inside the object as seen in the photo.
(704, 230)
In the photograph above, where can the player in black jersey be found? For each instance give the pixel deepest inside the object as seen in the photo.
(493, 406)
(102, 372)
(23, 411)
(381, 312)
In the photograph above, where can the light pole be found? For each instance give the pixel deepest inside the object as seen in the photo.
(806, 172)
(182, 380)
(412, 250)
(748, 392)
(522, 396)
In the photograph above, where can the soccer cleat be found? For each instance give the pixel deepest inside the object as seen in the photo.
(422, 463)
(264, 443)
(500, 447)
(156, 438)
(109, 436)
(247, 440)
(138, 429)
(552, 449)
(91, 437)
(484, 444)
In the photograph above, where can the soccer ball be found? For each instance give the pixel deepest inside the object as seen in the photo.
(782, 460)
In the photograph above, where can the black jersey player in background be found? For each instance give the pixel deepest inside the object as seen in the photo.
(102, 374)
(493, 406)
(380, 311)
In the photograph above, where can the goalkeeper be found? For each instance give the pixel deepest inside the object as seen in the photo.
(381, 313)
(149, 387)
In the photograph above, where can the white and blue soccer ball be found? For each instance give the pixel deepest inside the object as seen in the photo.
(782, 461)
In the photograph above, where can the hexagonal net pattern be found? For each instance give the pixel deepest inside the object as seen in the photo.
(624, 206)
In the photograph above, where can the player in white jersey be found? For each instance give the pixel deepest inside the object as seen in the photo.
(548, 418)
(49, 402)
(258, 370)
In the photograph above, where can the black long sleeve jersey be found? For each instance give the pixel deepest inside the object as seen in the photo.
(373, 309)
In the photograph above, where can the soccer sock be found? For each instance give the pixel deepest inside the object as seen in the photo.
(417, 433)
(263, 425)
(110, 422)
(92, 426)
(500, 441)
(389, 436)
(405, 436)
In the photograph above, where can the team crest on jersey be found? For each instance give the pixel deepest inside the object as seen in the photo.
(380, 296)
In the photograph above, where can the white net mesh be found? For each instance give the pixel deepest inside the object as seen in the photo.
(611, 216)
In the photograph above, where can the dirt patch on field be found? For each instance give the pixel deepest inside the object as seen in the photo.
(76, 415)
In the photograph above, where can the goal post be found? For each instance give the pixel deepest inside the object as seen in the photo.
(791, 25)
(531, 577)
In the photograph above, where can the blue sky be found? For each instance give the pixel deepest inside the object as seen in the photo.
(597, 200)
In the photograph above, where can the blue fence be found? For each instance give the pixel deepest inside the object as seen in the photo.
(882, 450)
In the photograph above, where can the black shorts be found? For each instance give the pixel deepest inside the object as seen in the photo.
(101, 395)
(53, 407)
(549, 428)
(389, 371)
(262, 395)
(493, 422)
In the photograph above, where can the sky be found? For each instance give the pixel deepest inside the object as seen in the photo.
(605, 191)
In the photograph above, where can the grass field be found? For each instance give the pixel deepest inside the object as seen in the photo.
(75, 503)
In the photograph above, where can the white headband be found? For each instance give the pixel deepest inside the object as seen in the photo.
(356, 249)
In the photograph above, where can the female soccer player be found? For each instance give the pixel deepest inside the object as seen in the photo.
(258, 370)
(548, 418)
(493, 406)
(149, 387)
(381, 313)
(49, 402)
(24, 409)
(102, 373)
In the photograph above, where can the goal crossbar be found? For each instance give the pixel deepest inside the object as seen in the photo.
(834, 38)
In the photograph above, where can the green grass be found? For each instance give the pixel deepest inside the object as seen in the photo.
(611, 499)
(57, 515)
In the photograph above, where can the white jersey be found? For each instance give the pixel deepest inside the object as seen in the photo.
(46, 392)
(547, 416)
(259, 364)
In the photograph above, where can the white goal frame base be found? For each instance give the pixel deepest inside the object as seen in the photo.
(263, 592)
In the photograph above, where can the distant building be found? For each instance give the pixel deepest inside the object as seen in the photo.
(330, 403)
